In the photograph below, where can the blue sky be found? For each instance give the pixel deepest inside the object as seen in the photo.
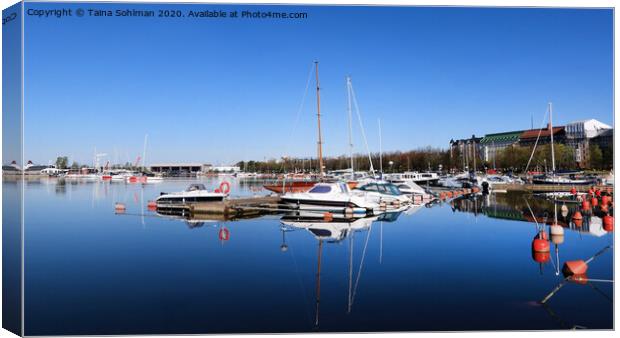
(224, 90)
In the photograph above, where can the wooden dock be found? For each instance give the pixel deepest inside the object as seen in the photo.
(233, 208)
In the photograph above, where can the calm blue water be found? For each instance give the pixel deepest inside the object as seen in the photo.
(448, 267)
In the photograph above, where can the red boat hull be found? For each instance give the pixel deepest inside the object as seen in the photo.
(280, 188)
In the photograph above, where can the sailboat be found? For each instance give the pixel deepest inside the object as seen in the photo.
(553, 178)
(303, 185)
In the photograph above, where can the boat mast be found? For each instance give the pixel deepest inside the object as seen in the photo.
(350, 124)
(318, 114)
(380, 150)
(146, 136)
(551, 132)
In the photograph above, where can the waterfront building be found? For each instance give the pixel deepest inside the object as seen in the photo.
(179, 168)
(528, 137)
(465, 153)
(580, 134)
(491, 144)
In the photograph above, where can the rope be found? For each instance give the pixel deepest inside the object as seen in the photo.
(537, 137)
(301, 106)
(359, 118)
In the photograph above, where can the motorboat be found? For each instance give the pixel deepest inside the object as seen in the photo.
(413, 176)
(332, 197)
(194, 193)
(562, 180)
(384, 192)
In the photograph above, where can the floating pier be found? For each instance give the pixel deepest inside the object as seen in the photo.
(231, 208)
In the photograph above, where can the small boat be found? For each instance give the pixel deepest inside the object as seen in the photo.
(331, 197)
(194, 193)
(331, 231)
(383, 191)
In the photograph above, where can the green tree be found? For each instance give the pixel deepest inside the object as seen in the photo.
(595, 157)
(62, 162)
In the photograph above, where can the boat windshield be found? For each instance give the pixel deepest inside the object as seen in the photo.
(195, 187)
(320, 189)
(390, 189)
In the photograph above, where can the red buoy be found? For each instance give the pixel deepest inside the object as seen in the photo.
(151, 204)
(573, 191)
(540, 243)
(585, 205)
(597, 193)
(578, 222)
(541, 257)
(577, 215)
(608, 223)
(578, 267)
(604, 200)
(594, 202)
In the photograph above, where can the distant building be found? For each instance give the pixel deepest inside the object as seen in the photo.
(530, 137)
(491, 144)
(465, 152)
(174, 169)
(580, 134)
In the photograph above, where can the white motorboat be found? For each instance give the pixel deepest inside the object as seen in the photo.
(412, 176)
(384, 192)
(332, 197)
(194, 193)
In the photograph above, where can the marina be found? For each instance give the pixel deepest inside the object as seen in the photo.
(387, 259)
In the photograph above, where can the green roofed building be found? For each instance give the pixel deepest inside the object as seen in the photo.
(491, 143)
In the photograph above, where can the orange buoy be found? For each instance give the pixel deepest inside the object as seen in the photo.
(594, 202)
(328, 216)
(151, 204)
(597, 193)
(577, 215)
(540, 242)
(578, 267)
(224, 234)
(541, 257)
(608, 223)
(604, 200)
(604, 208)
(573, 191)
(585, 205)
(225, 187)
(578, 222)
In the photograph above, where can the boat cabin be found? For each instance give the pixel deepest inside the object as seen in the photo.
(383, 188)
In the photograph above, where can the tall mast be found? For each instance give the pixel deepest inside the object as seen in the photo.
(146, 136)
(551, 132)
(350, 123)
(318, 114)
(380, 150)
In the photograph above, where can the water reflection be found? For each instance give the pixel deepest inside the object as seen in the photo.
(417, 269)
(522, 207)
